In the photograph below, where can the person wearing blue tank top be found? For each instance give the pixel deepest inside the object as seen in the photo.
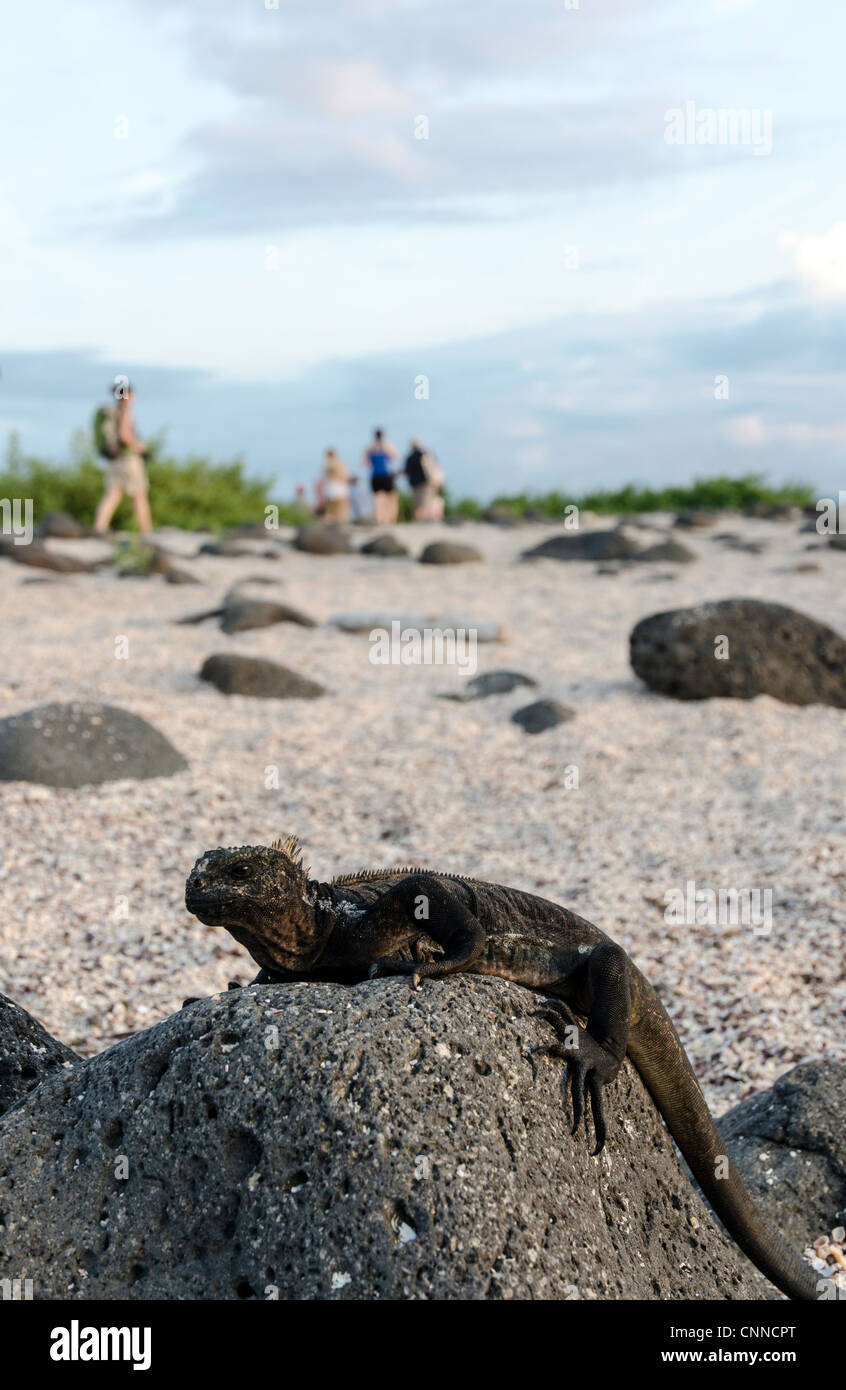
(378, 458)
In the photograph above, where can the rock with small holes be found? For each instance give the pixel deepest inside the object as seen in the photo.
(74, 744)
(740, 648)
(28, 1054)
(788, 1144)
(316, 1142)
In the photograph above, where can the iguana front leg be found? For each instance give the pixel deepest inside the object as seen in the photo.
(595, 1054)
(422, 902)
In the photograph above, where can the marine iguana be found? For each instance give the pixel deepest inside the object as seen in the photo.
(428, 925)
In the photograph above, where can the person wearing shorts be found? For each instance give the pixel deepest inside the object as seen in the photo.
(336, 488)
(126, 473)
(378, 458)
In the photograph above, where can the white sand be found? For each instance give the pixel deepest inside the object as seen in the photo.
(728, 793)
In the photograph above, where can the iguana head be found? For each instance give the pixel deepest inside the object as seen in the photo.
(261, 895)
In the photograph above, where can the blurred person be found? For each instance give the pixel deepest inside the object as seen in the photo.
(357, 506)
(117, 442)
(378, 459)
(336, 488)
(426, 480)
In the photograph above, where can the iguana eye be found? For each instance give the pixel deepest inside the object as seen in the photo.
(239, 870)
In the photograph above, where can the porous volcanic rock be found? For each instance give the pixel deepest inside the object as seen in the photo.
(311, 1141)
(80, 742)
(740, 648)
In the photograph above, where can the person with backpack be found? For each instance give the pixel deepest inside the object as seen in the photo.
(123, 451)
(426, 480)
(378, 458)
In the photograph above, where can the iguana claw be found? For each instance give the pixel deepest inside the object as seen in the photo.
(385, 966)
(590, 1066)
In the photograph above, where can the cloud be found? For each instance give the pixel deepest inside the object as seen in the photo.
(323, 122)
(752, 432)
(346, 89)
(820, 260)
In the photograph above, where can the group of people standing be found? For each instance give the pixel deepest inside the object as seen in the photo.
(337, 494)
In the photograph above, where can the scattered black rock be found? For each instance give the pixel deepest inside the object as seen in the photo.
(698, 519)
(229, 550)
(449, 553)
(250, 531)
(788, 1144)
(62, 526)
(28, 1054)
(584, 545)
(74, 744)
(263, 680)
(321, 538)
(735, 542)
(241, 615)
(491, 683)
(542, 715)
(385, 545)
(39, 557)
(174, 575)
(666, 552)
(769, 650)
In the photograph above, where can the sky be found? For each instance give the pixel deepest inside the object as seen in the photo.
(527, 233)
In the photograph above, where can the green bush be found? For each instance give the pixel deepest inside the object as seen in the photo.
(197, 494)
(193, 493)
(719, 493)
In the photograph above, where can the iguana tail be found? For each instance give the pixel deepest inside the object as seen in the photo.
(656, 1051)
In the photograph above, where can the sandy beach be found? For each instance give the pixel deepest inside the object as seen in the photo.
(96, 941)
